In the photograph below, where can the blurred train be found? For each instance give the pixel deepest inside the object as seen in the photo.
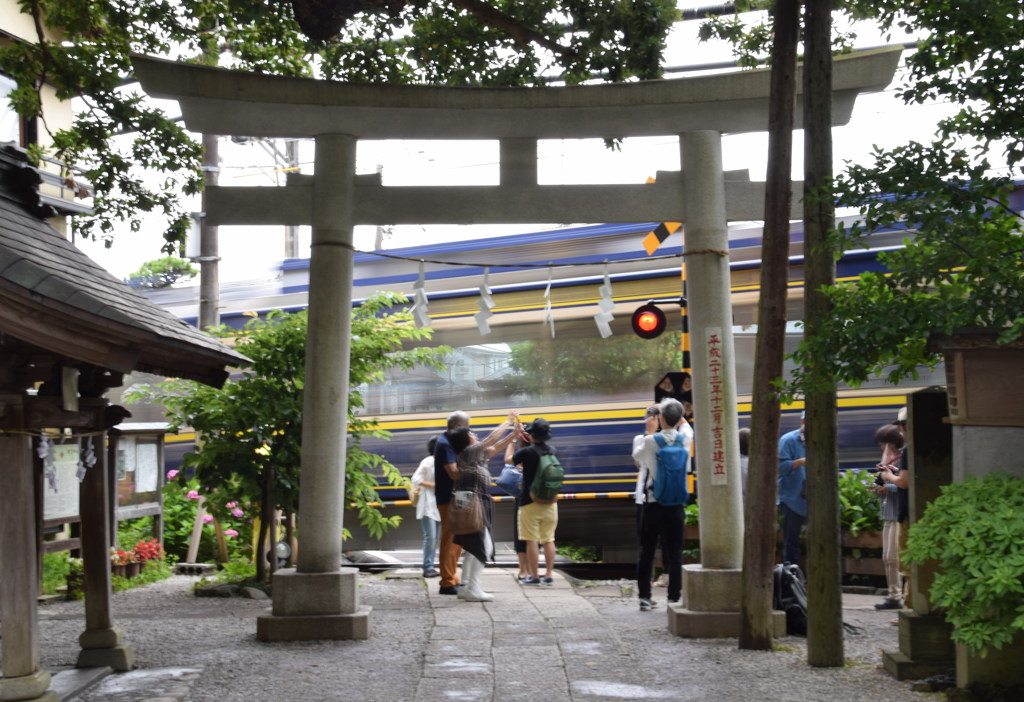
(592, 390)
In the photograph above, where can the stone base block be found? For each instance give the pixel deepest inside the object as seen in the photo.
(304, 594)
(902, 667)
(688, 624)
(25, 687)
(998, 667)
(319, 627)
(711, 589)
(926, 637)
(101, 638)
(121, 658)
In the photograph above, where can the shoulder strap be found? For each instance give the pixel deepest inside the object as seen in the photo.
(660, 440)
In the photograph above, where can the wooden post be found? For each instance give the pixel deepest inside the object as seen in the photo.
(18, 586)
(94, 509)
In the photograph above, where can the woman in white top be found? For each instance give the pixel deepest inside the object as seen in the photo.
(426, 509)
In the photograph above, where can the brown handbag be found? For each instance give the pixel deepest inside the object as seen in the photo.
(465, 513)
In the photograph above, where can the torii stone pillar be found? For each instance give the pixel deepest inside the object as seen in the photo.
(710, 604)
(318, 599)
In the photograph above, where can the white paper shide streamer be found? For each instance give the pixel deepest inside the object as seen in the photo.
(486, 303)
(420, 314)
(86, 459)
(607, 314)
(548, 317)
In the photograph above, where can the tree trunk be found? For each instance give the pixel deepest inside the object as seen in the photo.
(762, 488)
(824, 595)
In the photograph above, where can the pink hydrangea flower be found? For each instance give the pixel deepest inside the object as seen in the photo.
(193, 495)
(237, 513)
(172, 473)
(207, 518)
(229, 505)
(230, 533)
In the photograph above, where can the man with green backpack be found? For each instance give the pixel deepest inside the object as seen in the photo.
(538, 503)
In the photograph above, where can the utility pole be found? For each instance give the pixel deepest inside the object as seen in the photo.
(291, 232)
(209, 275)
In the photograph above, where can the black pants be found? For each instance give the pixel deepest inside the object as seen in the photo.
(665, 525)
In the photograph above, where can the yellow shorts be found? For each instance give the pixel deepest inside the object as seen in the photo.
(537, 522)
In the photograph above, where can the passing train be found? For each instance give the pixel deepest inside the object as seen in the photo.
(544, 355)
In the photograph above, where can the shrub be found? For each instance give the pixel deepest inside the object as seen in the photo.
(859, 506)
(975, 530)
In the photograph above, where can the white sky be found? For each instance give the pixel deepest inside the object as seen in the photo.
(252, 252)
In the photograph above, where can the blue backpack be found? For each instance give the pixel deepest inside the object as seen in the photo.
(669, 487)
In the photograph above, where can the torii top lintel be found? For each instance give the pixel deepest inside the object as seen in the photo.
(221, 101)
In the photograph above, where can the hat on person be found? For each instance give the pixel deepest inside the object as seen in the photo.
(901, 416)
(539, 429)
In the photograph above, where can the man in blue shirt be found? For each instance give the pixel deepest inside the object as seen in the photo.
(792, 503)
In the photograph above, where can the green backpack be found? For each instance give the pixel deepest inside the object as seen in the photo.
(547, 483)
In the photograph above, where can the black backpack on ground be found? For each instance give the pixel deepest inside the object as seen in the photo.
(789, 595)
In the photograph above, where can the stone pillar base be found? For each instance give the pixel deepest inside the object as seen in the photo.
(711, 605)
(121, 658)
(105, 647)
(315, 606)
(711, 589)
(688, 624)
(925, 647)
(28, 687)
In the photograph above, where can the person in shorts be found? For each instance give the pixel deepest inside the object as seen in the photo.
(537, 522)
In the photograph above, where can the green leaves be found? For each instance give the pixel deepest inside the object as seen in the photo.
(975, 530)
(115, 140)
(858, 503)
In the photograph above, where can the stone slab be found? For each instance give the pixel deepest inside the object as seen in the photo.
(902, 667)
(688, 624)
(335, 627)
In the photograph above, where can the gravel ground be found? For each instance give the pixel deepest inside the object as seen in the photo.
(425, 647)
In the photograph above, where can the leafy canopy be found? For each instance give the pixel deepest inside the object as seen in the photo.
(164, 272)
(964, 264)
(462, 43)
(251, 429)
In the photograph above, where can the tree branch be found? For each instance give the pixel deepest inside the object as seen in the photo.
(521, 34)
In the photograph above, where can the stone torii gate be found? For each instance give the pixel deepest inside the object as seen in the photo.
(318, 599)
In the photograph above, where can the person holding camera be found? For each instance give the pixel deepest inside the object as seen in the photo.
(890, 439)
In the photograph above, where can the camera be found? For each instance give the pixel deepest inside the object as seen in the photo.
(877, 471)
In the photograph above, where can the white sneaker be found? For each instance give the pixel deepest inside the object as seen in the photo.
(474, 595)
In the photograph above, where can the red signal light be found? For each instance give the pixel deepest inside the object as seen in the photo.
(648, 321)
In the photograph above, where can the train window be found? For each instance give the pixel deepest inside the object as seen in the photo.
(541, 371)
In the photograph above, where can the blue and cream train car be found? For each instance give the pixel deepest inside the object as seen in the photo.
(593, 390)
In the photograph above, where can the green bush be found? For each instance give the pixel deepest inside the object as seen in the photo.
(55, 572)
(859, 506)
(975, 530)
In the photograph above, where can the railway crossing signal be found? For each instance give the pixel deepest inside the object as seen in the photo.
(648, 321)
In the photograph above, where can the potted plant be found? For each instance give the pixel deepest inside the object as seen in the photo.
(147, 550)
(975, 530)
(861, 522)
